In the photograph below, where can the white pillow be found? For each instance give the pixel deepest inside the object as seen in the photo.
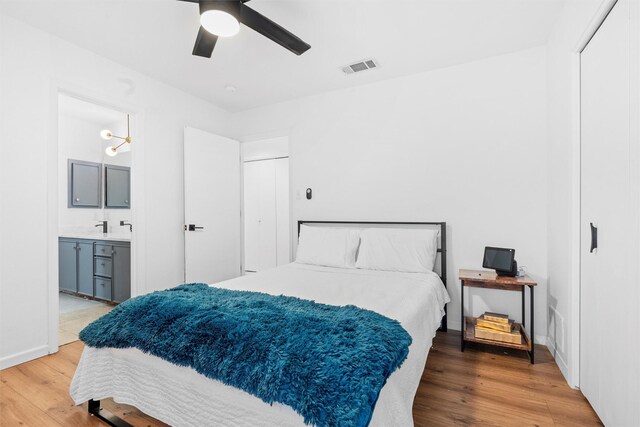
(398, 249)
(332, 247)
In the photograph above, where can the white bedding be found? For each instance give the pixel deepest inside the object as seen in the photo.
(182, 397)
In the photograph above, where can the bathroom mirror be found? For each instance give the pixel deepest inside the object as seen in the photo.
(117, 186)
(84, 184)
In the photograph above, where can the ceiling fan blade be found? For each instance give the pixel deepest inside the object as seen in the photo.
(270, 29)
(205, 42)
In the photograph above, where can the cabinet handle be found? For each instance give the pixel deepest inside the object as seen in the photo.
(594, 237)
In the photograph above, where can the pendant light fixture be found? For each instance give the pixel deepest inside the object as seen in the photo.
(107, 134)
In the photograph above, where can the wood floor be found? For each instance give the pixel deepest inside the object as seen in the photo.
(492, 386)
(480, 387)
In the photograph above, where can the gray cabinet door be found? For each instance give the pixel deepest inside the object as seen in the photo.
(121, 278)
(67, 266)
(85, 268)
(117, 186)
(84, 184)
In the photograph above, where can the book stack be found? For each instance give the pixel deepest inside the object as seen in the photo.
(497, 327)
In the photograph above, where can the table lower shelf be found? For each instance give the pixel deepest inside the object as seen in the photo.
(469, 334)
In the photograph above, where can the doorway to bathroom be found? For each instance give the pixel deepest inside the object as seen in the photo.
(94, 212)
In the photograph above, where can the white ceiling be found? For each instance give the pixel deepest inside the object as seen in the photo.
(156, 37)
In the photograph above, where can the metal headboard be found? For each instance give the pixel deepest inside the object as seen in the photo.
(442, 250)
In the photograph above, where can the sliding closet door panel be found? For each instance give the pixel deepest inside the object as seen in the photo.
(283, 228)
(607, 272)
(259, 215)
(251, 212)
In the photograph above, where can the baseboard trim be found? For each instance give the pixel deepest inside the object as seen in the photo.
(453, 325)
(562, 364)
(25, 356)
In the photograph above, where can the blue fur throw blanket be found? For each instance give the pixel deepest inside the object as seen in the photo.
(328, 363)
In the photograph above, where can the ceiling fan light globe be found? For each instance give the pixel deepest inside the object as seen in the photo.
(220, 23)
(111, 151)
(106, 134)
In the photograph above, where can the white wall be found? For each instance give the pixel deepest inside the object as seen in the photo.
(80, 140)
(268, 148)
(464, 144)
(563, 184)
(33, 64)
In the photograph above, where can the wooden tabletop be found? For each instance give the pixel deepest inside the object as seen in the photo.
(491, 277)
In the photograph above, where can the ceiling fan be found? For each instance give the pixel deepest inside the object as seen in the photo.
(222, 18)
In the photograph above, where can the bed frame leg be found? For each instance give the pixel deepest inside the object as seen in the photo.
(93, 406)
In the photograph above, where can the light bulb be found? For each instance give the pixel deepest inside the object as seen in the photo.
(106, 134)
(111, 151)
(220, 23)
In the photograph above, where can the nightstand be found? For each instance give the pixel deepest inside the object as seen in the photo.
(489, 280)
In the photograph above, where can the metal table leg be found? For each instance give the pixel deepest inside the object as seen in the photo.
(531, 326)
(523, 313)
(462, 322)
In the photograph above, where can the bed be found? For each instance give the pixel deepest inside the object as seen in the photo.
(180, 396)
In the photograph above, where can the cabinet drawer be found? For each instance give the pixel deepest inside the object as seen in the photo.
(103, 250)
(102, 267)
(103, 288)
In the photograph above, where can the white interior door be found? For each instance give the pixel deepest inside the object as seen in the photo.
(259, 215)
(266, 214)
(212, 206)
(608, 313)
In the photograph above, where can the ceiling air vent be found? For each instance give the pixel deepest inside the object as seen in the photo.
(365, 64)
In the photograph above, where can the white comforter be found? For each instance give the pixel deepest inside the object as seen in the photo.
(182, 397)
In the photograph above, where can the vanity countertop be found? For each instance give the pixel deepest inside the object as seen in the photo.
(113, 237)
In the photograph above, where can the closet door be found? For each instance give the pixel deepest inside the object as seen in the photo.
(608, 313)
(260, 237)
(283, 231)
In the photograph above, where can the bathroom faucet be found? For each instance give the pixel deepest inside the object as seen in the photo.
(103, 224)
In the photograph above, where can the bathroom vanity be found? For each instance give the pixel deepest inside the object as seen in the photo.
(96, 268)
